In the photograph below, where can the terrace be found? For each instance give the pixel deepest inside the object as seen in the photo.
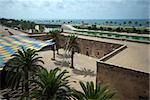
(135, 56)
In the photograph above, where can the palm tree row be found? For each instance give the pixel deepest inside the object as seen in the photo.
(70, 46)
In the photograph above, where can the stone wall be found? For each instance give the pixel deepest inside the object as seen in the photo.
(93, 48)
(129, 84)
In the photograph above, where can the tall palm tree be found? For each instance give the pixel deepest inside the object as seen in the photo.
(52, 85)
(147, 22)
(136, 22)
(130, 22)
(23, 64)
(91, 92)
(72, 46)
(111, 22)
(140, 24)
(124, 22)
(115, 22)
(55, 34)
(106, 22)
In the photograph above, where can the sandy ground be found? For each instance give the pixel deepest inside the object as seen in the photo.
(135, 56)
(85, 67)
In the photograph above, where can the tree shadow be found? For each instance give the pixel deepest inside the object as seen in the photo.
(62, 63)
(84, 71)
(61, 56)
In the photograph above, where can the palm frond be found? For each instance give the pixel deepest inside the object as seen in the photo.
(53, 84)
(91, 92)
(24, 61)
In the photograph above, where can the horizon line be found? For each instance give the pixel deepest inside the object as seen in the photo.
(78, 18)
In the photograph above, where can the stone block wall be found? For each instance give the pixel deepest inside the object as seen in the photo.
(93, 48)
(90, 48)
(129, 84)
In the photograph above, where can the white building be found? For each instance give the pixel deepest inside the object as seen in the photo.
(37, 27)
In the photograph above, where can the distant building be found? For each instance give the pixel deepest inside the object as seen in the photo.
(49, 27)
(30, 31)
(37, 27)
(9, 21)
(16, 28)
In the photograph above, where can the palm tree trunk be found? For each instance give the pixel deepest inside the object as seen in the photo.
(58, 51)
(72, 58)
(53, 52)
(26, 81)
(57, 47)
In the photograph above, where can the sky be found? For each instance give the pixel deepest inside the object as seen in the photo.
(75, 9)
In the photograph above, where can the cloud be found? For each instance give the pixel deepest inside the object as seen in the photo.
(4, 3)
(61, 3)
(77, 8)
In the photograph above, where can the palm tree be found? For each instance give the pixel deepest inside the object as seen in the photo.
(106, 22)
(140, 24)
(136, 23)
(72, 46)
(55, 34)
(147, 22)
(82, 22)
(124, 22)
(111, 22)
(23, 64)
(100, 92)
(52, 85)
(130, 22)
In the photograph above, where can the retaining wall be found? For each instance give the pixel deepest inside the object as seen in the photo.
(92, 48)
(129, 84)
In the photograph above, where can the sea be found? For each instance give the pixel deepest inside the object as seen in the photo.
(112, 22)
